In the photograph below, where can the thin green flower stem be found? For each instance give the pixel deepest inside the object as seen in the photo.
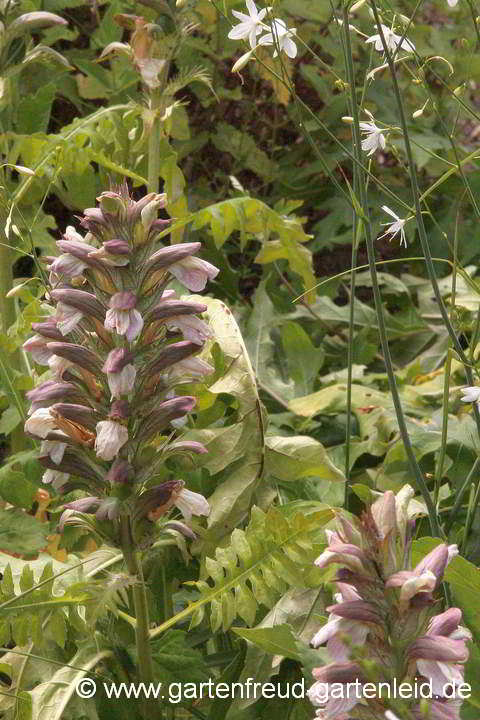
(150, 710)
(472, 506)
(446, 378)
(460, 495)
(392, 261)
(418, 212)
(415, 468)
(474, 20)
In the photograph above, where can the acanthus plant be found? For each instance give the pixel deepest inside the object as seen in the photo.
(386, 625)
(119, 345)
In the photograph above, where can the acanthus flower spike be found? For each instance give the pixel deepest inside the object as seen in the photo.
(89, 445)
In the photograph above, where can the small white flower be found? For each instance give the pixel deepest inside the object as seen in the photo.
(191, 503)
(395, 227)
(111, 436)
(471, 394)
(250, 25)
(392, 41)
(375, 139)
(452, 3)
(282, 36)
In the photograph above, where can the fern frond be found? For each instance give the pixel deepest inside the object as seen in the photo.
(272, 554)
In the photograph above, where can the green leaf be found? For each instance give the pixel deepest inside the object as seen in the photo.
(300, 456)
(9, 420)
(21, 533)
(304, 360)
(17, 490)
(34, 110)
(232, 498)
(261, 347)
(176, 660)
(276, 640)
(244, 149)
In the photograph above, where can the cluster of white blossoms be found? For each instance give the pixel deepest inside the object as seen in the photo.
(253, 25)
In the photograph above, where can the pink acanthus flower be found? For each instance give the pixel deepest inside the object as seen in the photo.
(191, 503)
(194, 272)
(37, 347)
(335, 705)
(123, 317)
(54, 449)
(192, 328)
(442, 651)
(67, 317)
(40, 423)
(121, 373)
(111, 436)
(190, 367)
(337, 626)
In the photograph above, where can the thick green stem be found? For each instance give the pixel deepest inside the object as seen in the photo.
(150, 709)
(402, 426)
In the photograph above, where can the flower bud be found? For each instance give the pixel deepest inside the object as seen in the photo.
(77, 354)
(170, 355)
(48, 329)
(50, 392)
(82, 301)
(167, 256)
(167, 411)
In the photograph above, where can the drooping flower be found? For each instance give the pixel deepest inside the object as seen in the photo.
(394, 227)
(37, 347)
(191, 503)
(123, 317)
(250, 25)
(392, 41)
(111, 436)
(120, 371)
(337, 626)
(374, 140)
(40, 423)
(54, 449)
(67, 317)
(280, 36)
(194, 272)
